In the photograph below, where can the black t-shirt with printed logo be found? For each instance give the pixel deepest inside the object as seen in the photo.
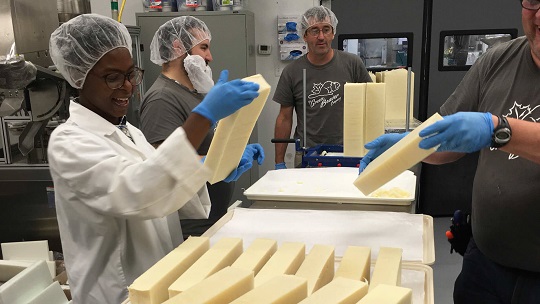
(506, 190)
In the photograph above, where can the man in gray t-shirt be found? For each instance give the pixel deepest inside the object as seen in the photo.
(182, 47)
(495, 110)
(327, 70)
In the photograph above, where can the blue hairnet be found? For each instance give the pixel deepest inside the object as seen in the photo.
(77, 45)
(187, 31)
(316, 15)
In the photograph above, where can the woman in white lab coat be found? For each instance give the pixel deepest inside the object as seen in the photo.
(117, 196)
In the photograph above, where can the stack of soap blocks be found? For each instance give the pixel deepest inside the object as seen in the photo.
(197, 273)
(26, 274)
(368, 106)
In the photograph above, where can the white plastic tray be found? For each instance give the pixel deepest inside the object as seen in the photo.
(327, 185)
(417, 242)
(415, 275)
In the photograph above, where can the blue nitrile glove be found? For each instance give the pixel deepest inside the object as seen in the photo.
(280, 166)
(251, 153)
(464, 132)
(378, 146)
(226, 98)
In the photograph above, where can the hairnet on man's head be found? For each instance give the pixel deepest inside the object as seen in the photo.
(316, 15)
(77, 45)
(176, 37)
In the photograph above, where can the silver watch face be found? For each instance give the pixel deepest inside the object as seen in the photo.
(502, 135)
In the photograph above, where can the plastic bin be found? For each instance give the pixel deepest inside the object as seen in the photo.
(192, 5)
(227, 5)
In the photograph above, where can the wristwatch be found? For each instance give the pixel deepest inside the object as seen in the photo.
(501, 134)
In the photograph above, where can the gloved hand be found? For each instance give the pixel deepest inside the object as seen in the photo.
(280, 166)
(378, 146)
(199, 73)
(251, 153)
(464, 132)
(226, 98)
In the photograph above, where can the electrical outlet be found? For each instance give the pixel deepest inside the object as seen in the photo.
(278, 71)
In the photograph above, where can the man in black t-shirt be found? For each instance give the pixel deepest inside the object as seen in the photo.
(495, 110)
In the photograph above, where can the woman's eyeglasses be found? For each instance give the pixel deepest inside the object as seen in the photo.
(117, 80)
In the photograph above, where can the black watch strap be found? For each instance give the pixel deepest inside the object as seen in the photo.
(501, 134)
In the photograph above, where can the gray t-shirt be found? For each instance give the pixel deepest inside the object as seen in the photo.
(324, 107)
(166, 106)
(506, 206)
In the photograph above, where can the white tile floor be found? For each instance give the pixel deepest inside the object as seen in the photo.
(447, 266)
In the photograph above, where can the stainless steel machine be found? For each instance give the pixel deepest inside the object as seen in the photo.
(33, 100)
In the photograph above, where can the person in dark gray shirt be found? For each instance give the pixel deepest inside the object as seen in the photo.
(182, 47)
(495, 110)
(327, 71)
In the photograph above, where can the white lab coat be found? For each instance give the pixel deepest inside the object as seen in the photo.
(113, 197)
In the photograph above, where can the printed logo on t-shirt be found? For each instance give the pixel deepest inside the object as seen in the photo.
(522, 112)
(323, 94)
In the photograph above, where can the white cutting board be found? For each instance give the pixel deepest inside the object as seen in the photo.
(325, 185)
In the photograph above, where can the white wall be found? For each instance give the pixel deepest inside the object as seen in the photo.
(269, 66)
(103, 7)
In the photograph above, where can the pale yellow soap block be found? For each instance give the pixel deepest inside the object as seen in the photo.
(286, 260)
(223, 286)
(232, 134)
(219, 256)
(375, 111)
(400, 157)
(152, 286)
(318, 267)
(281, 289)
(388, 295)
(339, 291)
(396, 95)
(387, 268)
(355, 264)
(373, 77)
(363, 117)
(354, 117)
(256, 255)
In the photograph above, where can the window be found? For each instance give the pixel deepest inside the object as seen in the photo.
(379, 51)
(458, 50)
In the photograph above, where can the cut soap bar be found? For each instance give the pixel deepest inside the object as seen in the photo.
(318, 267)
(257, 254)
(400, 157)
(286, 260)
(219, 256)
(387, 268)
(339, 291)
(363, 116)
(223, 286)
(232, 134)
(26, 285)
(355, 264)
(152, 286)
(281, 289)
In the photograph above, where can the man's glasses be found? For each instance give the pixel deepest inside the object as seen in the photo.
(117, 80)
(314, 31)
(532, 5)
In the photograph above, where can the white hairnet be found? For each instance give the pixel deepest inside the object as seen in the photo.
(176, 37)
(77, 45)
(316, 15)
